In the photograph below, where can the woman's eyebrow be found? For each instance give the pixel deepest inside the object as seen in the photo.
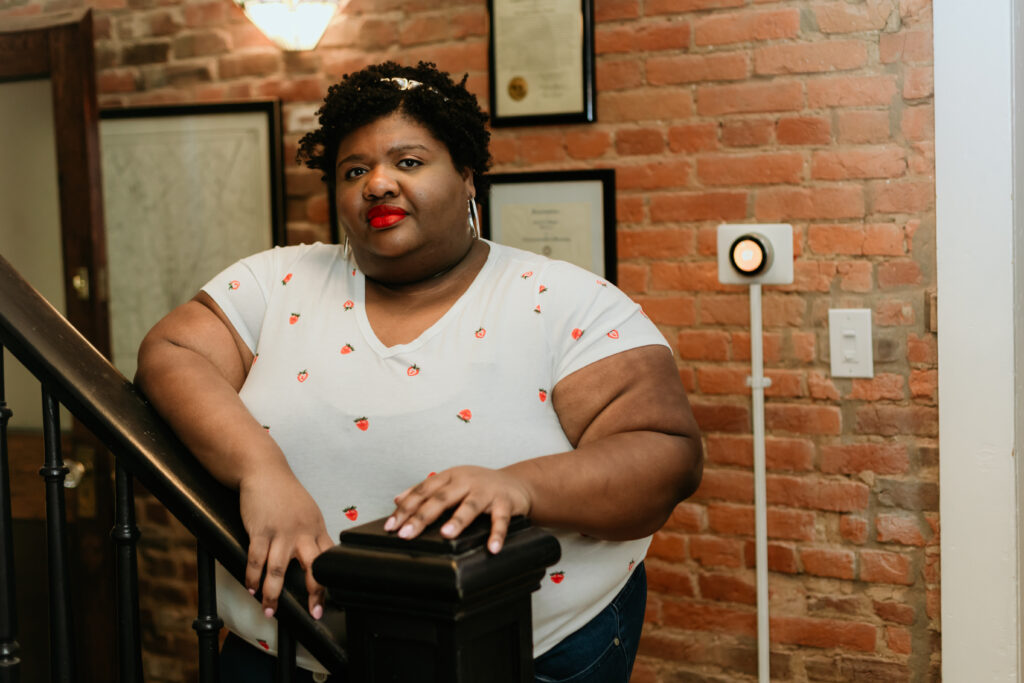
(397, 149)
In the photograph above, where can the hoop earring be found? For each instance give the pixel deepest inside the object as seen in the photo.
(474, 219)
(346, 248)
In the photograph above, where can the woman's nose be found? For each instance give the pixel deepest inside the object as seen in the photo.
(379, 183)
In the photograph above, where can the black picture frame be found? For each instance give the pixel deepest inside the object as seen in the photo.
(503, 112)
(187, 190)
(547, 190)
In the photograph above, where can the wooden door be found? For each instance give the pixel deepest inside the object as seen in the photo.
(56, 51)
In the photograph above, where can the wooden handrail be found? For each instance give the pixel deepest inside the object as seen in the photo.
(110, 406)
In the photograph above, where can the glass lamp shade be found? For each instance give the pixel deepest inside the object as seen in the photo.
(291, 24)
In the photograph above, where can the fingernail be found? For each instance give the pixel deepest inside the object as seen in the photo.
(268, 612)
(390, 524)
(448, 529)
(252, 591)
(318, 611)
(406, 531)
(494, 547)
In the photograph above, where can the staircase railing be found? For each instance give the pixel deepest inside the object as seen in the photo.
(72, 372)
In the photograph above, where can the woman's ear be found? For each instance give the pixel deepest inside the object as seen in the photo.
(467, 179)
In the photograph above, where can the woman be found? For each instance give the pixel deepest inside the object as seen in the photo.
(422, 361)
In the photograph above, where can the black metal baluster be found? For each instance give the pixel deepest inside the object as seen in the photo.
(10, 663)
(62, 648)
(207, 625)
(125, 534)
(285, 654)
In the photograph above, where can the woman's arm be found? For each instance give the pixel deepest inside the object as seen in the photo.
(637, 454)
(191, 367)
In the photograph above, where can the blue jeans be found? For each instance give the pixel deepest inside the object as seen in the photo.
(601, 651)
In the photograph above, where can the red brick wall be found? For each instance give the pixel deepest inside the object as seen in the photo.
(814, 112)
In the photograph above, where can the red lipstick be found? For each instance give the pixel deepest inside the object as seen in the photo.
(384, 216)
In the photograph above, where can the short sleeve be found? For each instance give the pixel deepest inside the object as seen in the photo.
(242, 291)
(586, 318)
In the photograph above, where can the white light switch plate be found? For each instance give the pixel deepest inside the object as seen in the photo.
(850, 346)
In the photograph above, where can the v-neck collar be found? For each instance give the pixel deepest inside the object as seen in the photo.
(363, 321)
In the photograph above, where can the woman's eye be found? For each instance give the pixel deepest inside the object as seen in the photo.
(409, 163)
(354, 173)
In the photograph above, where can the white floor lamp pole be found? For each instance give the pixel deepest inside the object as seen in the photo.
(756, 255)
(758, 382)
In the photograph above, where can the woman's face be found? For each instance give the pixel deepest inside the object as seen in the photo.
(401, 201)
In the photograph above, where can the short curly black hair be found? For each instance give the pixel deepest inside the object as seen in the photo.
(448, 110)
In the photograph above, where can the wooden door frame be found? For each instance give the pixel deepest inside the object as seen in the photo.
(60, 47)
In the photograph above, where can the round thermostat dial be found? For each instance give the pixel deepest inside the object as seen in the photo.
(750, 254)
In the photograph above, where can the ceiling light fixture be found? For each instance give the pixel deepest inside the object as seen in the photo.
(291, 24)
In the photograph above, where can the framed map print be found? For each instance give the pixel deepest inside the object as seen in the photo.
(187, 191)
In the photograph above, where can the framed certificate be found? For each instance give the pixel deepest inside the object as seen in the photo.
(541, 62)
(566, 215)
(187, 191)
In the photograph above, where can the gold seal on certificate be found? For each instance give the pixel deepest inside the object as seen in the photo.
(517, 88)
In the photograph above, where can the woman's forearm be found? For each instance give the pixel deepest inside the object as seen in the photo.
(205, 411)
(620, 487)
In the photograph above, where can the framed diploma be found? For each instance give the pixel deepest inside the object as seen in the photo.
(541, 62)
(566, 215)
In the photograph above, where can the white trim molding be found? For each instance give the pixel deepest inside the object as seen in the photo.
(974, 255)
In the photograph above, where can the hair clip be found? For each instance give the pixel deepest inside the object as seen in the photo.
(409, 84)
(403, 83)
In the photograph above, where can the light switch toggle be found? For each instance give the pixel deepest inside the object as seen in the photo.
(850, 344)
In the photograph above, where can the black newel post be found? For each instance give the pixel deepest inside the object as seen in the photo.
(434, 609)
(9, 661)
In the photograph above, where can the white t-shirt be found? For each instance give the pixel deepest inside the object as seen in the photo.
(360, 422)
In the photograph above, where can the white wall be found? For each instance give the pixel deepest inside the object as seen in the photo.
(974, 184)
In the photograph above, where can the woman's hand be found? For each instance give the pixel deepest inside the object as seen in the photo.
(283, 523)
(472, 491)
(191, 366)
